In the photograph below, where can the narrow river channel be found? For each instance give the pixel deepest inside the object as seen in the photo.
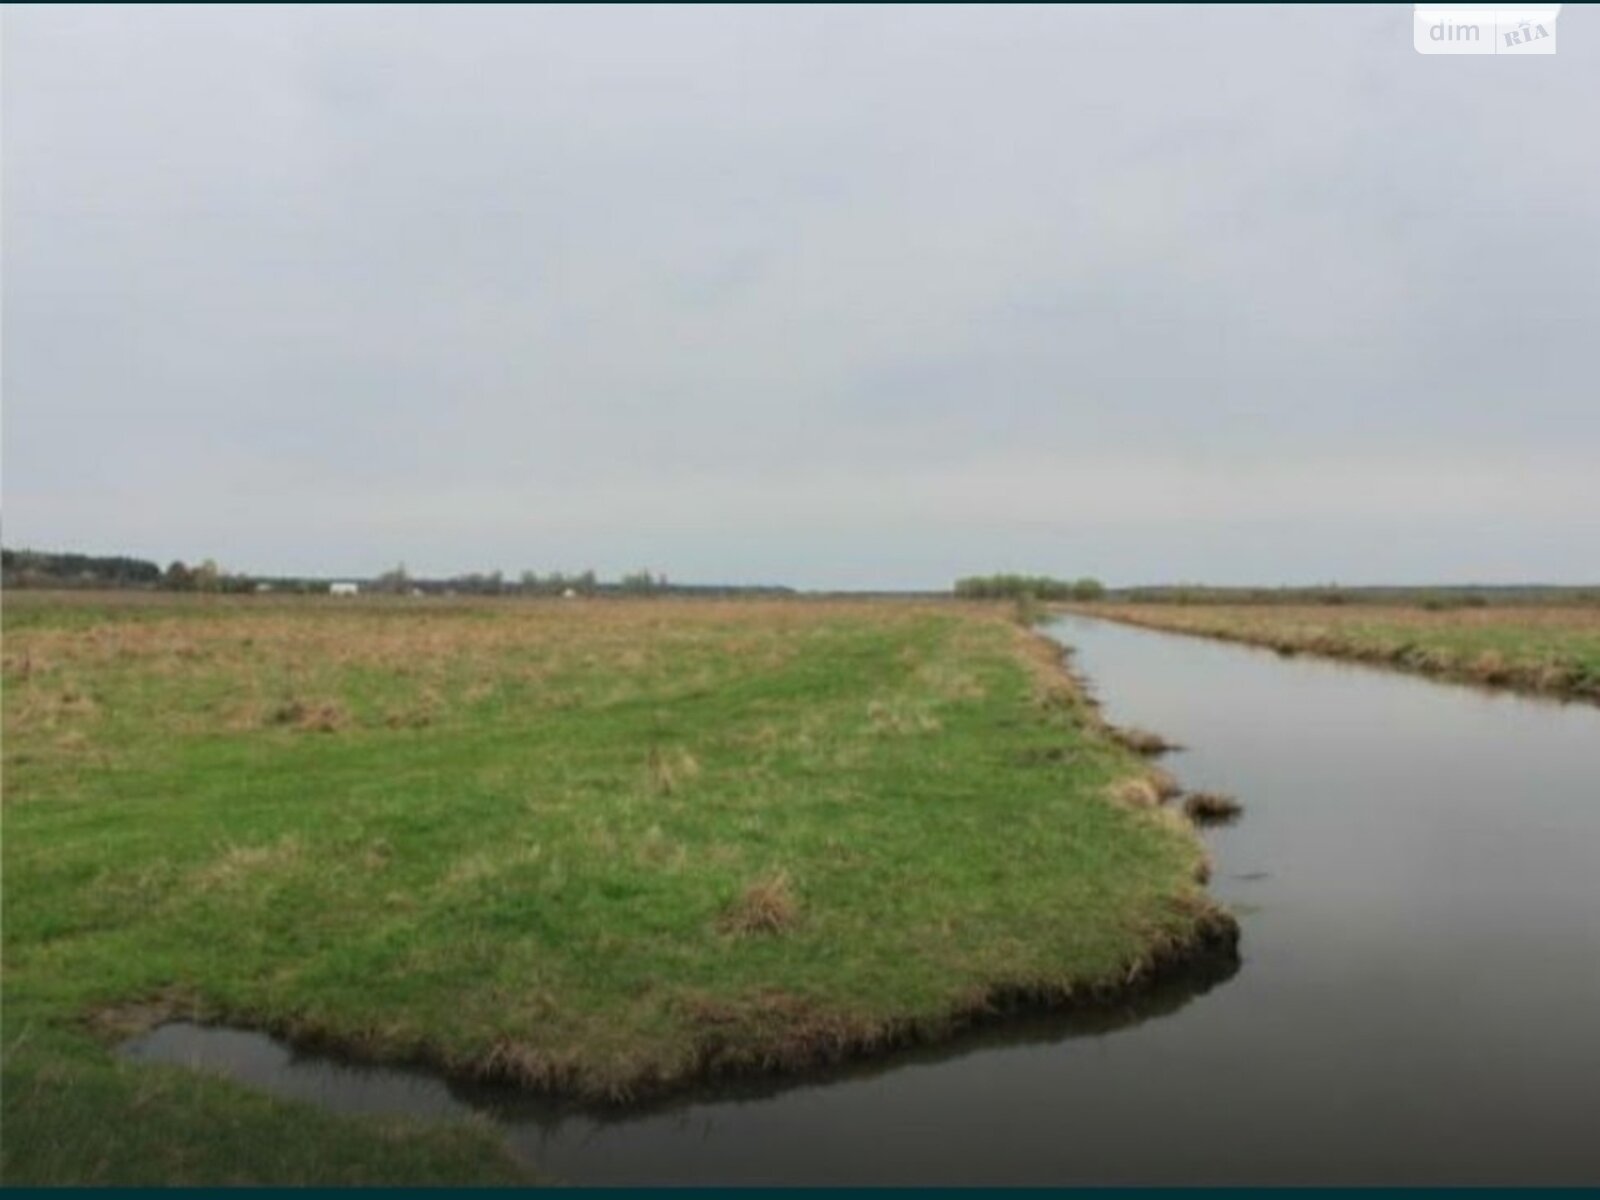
(1417, 873)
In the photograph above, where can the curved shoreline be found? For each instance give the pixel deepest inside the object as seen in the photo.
(1543, 681)
(787, 1040)
(1210, 956)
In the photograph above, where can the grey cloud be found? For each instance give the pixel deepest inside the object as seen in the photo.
(829, 296)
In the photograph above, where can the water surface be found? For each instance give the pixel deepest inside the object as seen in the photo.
(1417, 874)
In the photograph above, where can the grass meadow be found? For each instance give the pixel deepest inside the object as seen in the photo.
(600, 848)
(1551, 650)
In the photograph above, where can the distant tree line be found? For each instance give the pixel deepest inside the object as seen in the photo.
(206, 577)
(1039, 587)
(556, 583)
(47, 569)
(529, 583)
(35, 568)
(576, 583)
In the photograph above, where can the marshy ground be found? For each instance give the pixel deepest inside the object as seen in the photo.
(601, 848)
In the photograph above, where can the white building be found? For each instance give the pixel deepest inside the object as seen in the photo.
(343, 589)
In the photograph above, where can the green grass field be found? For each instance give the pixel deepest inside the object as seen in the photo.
(603, 848)
(1545, 649)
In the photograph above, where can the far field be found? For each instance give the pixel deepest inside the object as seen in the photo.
(598, 847)
(1547, 649)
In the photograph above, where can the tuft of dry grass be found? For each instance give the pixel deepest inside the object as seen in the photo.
(1165, 785)
(1211, 808)
(1151, 788)
(766, 906)
(323, 716)
(1140, 741)
(670, 769)
(234, 863)
(1134, 791)
(900, 716)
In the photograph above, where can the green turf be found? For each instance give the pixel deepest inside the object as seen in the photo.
(594, 846)
(1548, 649)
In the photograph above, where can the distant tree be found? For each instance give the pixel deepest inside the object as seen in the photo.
(395, 581)
(178, 577)
(999, 587)
(637, 583)
(556, 583)
(477, 583)
(1088, 589)
(208, 576)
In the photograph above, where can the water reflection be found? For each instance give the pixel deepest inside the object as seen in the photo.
(346, 1086)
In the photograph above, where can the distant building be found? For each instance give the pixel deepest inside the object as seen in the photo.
(343, 589)
(569, 594)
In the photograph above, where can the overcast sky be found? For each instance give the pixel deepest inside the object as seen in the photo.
(856, 297)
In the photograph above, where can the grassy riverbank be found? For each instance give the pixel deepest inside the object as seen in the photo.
(604, 848)
(1549, 650)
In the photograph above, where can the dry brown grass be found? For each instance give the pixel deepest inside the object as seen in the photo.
(1140, 741)
(1166, 786)
(766, 906)
(278, 656)
(1149, 789)
(670, 769)
(319, 716)
(1211, 808)
(236, 862)
(1135, 791)
(900, 715)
